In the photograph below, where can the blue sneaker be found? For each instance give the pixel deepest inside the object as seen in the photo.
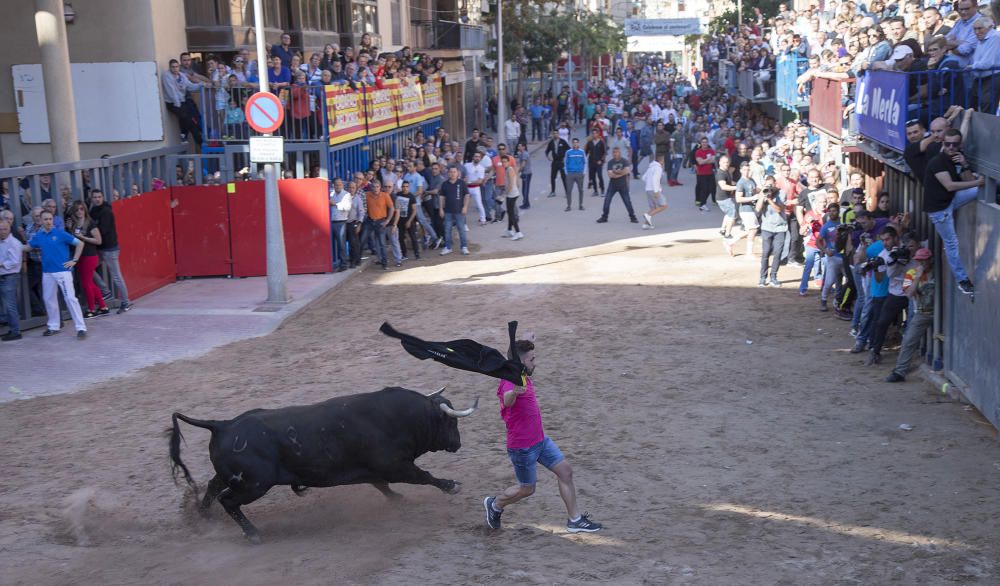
(492, 515)
(583, 525)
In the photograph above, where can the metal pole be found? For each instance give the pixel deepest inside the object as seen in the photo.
(50, 28)
(277, 264)
(501, 100)
(739, 12)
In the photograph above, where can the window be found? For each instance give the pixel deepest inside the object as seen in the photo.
(397, 23)
(328, 15)
(364, 17)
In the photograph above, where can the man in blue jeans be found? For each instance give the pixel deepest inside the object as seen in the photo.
(108, 250)
(948, 185)
(454, 198)
(11, 255)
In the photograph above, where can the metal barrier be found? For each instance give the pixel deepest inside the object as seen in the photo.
(727, 75)
(222, 118)
(118, 177)
(350, 158)
(887, 99)
(789, 68)
(749, 85)
(827, 99)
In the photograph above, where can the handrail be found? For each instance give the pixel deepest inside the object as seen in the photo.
(789, 68)
(89, 164)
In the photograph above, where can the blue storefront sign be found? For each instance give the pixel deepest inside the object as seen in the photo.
(881, 107)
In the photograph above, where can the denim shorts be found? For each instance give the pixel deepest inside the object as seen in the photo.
(728, 207)
(545, 452)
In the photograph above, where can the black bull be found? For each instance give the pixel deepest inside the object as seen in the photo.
(369, 438)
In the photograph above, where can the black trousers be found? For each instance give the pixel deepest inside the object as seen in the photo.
(557, 170)
(188, 118)
(512, 217)
(595, 176)
(891, 307)
(354, 242)
(704, 188)
(410, 233)
(620, 189)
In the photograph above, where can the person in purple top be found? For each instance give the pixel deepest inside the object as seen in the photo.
(527, 446)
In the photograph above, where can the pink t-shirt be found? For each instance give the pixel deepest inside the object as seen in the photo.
(523, 418)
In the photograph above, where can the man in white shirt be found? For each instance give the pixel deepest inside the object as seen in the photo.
(513, 129)
(652, 178)
(11, 255)
(475, 175)
(341, 201)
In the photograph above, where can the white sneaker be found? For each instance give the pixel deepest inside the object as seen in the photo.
(445, 251)
(647, 227)
(703, 208)
(465, 250)
(467, 226)
(648, 218)
(517, 236)
(507, 234)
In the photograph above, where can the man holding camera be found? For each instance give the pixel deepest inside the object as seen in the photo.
(870, 266)
(948, 185)
(893, 262)
(773, 231)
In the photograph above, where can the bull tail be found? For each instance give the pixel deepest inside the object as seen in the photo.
(175, 446)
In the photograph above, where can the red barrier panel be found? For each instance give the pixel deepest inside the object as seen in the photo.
(201, 231)
(305, 211)
(145, 235)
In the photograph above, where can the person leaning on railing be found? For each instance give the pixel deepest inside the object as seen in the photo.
(985, 66)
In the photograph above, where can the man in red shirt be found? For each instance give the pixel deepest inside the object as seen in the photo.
(704, 168)
(527, 446)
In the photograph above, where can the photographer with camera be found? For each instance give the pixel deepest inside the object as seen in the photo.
(865, 233)
(896, 259)
(773, 231)
(948, 185)
(918, 285)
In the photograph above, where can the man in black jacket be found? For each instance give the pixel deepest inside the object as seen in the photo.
(596, 150)
(104, 216)
(555, 152)
(471, 146)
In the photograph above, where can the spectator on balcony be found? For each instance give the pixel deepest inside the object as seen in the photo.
(986, 66)
(313, 69)
(934, 26)
(895, 30)
(945, 86)
(879, 50)
(962, 38)
(176, 86)
(283, 51)
(331, 55)
(948, 185)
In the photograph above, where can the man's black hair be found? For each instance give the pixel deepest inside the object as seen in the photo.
(523, 347)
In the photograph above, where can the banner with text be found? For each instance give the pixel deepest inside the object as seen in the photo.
(678, 27)
(433, 99)
(409, 100)
(345, 114)
(380, 109)
(881, 107)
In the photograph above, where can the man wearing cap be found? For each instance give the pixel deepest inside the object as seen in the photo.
(918, 286)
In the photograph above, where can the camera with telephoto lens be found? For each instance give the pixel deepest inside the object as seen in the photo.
(872, 263)
(899, 255)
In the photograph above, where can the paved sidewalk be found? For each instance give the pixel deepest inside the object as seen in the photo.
(184, 319)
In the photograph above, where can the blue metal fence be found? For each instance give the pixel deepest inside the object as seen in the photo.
(787, 94)
(886, 100)
(352, 157)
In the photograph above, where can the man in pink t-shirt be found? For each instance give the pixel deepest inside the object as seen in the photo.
(527, 445)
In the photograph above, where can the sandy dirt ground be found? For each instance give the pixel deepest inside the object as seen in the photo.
(722, 433)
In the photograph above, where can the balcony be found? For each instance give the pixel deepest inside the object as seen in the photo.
(756, 85)
(449, 35)
(887, 99)
(787, 94)
(827, 101)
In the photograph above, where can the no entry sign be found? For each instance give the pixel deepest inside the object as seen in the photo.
(264, 112)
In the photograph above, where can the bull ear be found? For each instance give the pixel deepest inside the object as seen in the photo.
(436, 393)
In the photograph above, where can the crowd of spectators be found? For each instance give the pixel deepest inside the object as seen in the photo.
(225, 82)
(847, 38)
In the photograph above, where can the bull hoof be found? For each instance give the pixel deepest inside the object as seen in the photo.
(456, 487)
(253, 538)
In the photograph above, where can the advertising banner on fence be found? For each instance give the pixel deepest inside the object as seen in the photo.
(380, 109)
(345, 114)
(433, 99)
(881, 107)
(410, 100)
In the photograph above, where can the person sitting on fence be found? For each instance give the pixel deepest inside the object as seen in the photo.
(950, 184)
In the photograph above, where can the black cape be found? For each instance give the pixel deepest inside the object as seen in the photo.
(465, 354)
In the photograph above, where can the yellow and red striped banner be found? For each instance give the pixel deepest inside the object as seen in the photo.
(344, 113)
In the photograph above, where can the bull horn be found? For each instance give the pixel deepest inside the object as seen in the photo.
(463, 413)
(436, 393)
